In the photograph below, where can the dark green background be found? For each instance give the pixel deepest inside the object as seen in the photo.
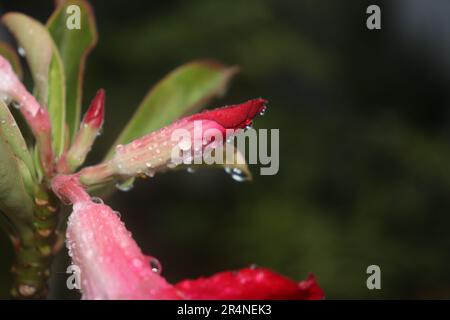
(364, 140)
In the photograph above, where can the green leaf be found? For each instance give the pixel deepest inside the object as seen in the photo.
(46, 67)
(10, 54)
(74, 46)
(12, 135)
(14, 199)
(184, 90)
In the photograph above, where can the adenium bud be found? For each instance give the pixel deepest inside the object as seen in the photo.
(84, 139)
(183, 141)
(11, 88)
(35, 115)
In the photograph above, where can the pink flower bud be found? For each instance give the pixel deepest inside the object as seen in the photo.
(86, 135)
(37, 117)
(95, 114)
(183, 141)
(11, 88)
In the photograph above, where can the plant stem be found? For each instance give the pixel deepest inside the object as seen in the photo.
(35, 250)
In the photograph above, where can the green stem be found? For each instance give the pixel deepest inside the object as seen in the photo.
(35, 250)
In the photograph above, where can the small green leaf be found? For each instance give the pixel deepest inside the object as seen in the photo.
(10, 54)
(182, 91)
(14, 199)
(56, 104)
(12, 135)
(74, 46)
(46, 67)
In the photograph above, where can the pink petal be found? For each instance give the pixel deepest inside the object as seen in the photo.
(250, 283)
(112, 265)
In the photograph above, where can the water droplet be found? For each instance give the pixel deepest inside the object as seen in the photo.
(263, 111)
(3, 121)
(253, 266)
(190, 170)
(158, 151)
(21, 52)
(97, 200)
(236, 174)
(117, 213)
(16, 105)
(150, 173)
(171, 164)
(155, 265)
(126, 185)
(148, 164)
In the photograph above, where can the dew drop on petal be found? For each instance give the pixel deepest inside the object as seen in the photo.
(155, 265)
(171, 164)
(263, 111)
(97, 200)
(150, 173)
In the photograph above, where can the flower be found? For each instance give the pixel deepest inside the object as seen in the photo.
(113, 266)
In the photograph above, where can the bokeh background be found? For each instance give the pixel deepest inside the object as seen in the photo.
(364, 140)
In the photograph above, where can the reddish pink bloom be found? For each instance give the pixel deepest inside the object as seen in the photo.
(250, 284)
(113, 266)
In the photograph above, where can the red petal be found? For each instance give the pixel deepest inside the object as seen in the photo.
(249, 284)
(236, 116)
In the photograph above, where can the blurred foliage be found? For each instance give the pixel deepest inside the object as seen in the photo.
(364, 134)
